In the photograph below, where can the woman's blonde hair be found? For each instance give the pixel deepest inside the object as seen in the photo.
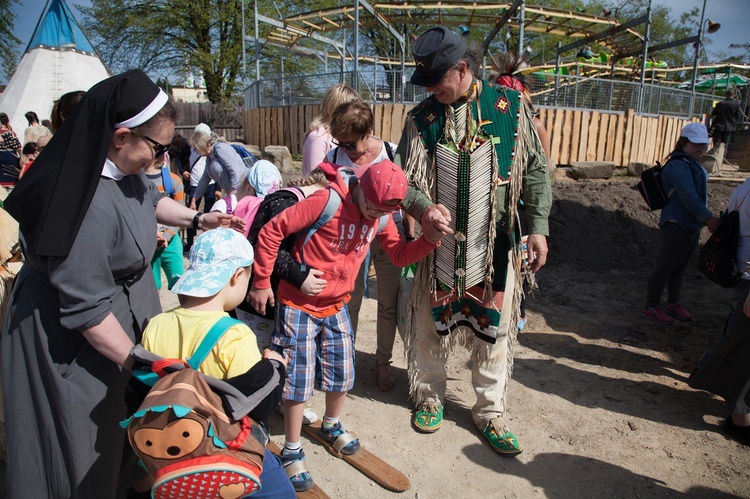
(334, 97)
(203, 142)
(317, 176)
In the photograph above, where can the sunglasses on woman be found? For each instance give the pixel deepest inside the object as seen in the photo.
(159, 149)
(348, 145)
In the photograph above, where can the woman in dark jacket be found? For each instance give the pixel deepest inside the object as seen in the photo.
(87, 217)
(682, 219)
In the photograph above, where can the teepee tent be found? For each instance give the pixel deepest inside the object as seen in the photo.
(58, 59)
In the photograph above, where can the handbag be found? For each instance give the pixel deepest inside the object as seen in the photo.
(717, 257)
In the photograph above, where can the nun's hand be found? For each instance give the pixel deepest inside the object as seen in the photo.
(216, 219)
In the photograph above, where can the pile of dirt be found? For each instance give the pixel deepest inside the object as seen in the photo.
(605, 225)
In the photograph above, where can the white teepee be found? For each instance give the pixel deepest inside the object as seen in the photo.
(58, 59)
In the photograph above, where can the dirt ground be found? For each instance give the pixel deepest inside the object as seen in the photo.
(598, 398)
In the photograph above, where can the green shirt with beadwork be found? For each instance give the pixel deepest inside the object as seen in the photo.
(536, 191)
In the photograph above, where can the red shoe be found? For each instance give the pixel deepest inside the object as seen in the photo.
(656, 314)
(678, 312)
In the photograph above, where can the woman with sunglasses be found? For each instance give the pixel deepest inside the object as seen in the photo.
(223, 165)
(87, 216)
(356, 146)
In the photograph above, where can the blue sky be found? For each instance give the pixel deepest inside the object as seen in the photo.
(732, 14)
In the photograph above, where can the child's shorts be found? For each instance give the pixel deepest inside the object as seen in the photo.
(302, 338)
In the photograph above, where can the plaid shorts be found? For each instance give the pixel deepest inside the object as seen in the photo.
(318, 349)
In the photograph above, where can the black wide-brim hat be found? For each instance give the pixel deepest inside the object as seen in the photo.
(435, 52)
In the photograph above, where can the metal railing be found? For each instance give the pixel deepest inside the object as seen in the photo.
(548, 90)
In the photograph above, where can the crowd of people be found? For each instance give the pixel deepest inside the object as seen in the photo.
(98, 192)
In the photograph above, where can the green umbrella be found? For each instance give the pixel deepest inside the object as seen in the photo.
(705, 83)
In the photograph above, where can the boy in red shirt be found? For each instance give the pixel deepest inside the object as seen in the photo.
(319, 326)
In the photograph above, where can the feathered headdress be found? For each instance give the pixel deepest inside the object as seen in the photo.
(506, 71)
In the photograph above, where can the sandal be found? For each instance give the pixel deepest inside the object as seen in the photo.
(385, 380)
(296, 469)
(342, 441)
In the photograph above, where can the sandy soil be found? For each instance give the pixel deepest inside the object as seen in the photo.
(598, 396)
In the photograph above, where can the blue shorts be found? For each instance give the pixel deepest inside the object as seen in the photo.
(319, 350)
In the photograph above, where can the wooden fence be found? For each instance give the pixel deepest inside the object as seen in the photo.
(575, 135)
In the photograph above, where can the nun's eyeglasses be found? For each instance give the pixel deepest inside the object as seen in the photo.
(159, 149)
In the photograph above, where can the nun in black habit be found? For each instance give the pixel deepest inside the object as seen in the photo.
(87, 217)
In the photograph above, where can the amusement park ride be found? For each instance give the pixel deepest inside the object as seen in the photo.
(624, 53)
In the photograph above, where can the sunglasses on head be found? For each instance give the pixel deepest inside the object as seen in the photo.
(159, 149)
(347, 145)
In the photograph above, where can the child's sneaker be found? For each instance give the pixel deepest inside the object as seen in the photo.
(296, 469)
(308, 415)
(678, 312)
(656, 314)
(342, 441)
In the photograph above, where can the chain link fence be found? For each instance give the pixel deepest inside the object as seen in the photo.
(548, 90)
(579, 92)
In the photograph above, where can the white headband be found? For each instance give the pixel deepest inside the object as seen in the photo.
(148, 113)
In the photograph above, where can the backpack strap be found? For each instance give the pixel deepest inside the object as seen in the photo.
(166, 181)
(292, 190)
(332, 205)
(388, 150)
(209, 341)
(382, 222)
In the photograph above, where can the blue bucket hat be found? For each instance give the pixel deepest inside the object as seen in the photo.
(215, 256)
(264, 177)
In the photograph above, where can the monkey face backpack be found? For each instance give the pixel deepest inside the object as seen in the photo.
(188, 443)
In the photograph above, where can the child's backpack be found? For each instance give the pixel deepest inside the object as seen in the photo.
(651, 189)
(186, 440)
(247, 157)
(167, 182)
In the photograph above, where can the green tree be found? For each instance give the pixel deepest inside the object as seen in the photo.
(8, 42)
(171, 37)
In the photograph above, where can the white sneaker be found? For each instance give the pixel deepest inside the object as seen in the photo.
(308, 415)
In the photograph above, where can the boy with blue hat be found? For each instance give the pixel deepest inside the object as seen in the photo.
(215, 282)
